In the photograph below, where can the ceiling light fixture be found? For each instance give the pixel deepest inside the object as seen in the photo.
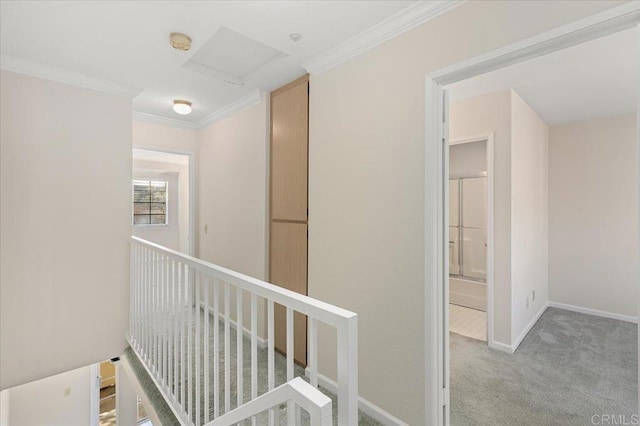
(180, 41)
(295, 36)
(182, 107)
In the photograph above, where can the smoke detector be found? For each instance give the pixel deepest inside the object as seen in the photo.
(180, 41)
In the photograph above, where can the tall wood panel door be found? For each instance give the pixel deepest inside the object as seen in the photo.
(289, 201)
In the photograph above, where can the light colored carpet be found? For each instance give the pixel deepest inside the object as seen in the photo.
(570, 367)
(165, 413)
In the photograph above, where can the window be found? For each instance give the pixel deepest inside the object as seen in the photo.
(149, 202)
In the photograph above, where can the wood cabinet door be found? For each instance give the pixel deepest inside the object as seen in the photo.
(288, 195)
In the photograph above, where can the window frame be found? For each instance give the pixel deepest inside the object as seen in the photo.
(166, 203)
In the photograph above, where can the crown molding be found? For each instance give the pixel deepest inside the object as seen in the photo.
(244, 102)
(398, 23)
(59, 75)
(164, 121)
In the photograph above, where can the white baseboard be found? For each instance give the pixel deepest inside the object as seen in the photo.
(502, 347)
(588, 311)
(527, 329)
(262, 343)
(365, 406)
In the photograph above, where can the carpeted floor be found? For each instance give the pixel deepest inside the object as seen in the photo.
(570, 367)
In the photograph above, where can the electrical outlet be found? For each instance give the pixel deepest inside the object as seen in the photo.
(533, 296)
(528, 302)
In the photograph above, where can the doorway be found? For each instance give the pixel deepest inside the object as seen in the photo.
(436, 175)
(163, 199)
(471, 236)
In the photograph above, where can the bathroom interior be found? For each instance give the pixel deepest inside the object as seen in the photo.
(468, 238)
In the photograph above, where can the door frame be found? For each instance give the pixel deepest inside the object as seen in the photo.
(489, 139)
(192, 190)
(618, 18)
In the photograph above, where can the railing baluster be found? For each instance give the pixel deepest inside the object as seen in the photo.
(174, 318)
(139, 297)
(313, 351)
(132, 286)
(156, 323)
(163, 331)
(254, 350)
(183, 383)
(167, 322)
(205, 313)
(216, 350)
(239, 351)
(291, 421)
(190, 403)
(196, 309)
(145, 305)
(271, 356)
(227, 350)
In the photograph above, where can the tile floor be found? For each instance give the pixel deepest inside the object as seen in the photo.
(468, 322)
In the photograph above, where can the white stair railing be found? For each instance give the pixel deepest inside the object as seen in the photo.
(296, 391)
(170, 331)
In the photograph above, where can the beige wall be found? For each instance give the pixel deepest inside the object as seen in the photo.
(529, 216)
(65, 205)
(44, 402)
(232, 196)
(593, 218)
(366, 206)
(149, 135)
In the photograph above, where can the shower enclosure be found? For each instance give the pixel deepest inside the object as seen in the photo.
(468, 239)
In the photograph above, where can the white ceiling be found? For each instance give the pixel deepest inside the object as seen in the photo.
(595, 79)
(128, 42)
(160, 157)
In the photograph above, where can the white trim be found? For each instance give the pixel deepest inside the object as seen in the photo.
(610, 21)
(164, 121)
(502, 347)
(436, 282)
(527, 329)
(262, 343)
(235, 106)
(398, 23)
(59, 75)
(364, 405)
(615, 19)
(94, 417)
(595, 312)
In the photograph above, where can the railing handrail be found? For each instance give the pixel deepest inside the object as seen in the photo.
(297, 390)
(323, 311)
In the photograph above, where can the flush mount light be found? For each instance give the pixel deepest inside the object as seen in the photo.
(182, 107)
(180, 41)
(295, 37)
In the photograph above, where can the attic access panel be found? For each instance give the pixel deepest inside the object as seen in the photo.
(231, 57)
